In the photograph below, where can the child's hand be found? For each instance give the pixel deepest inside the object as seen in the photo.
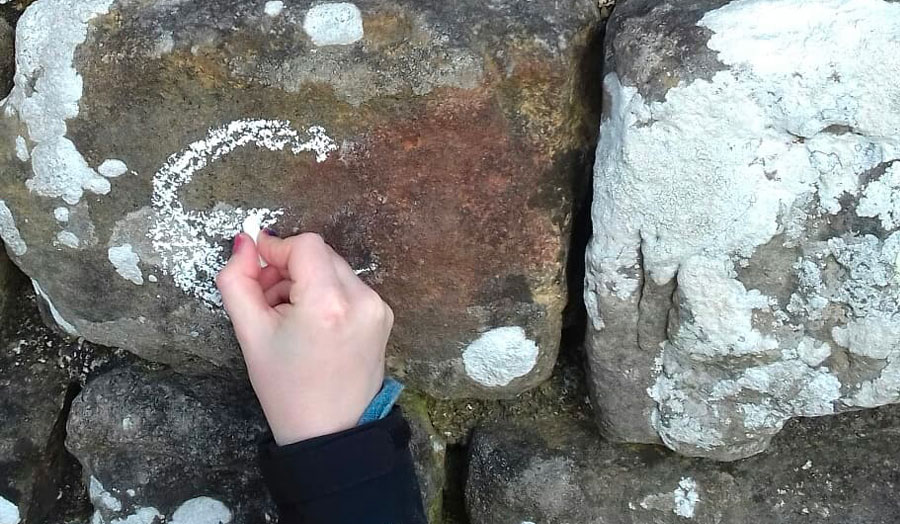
(312, 333)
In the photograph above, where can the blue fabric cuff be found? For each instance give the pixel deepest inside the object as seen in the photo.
(383, 402)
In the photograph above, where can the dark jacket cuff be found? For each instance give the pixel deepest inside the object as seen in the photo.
(364, 473)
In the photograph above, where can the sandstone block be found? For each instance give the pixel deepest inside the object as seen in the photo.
(430, 142)
(745, 263)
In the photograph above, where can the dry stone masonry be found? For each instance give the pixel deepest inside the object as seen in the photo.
(834, 469)
(431, 143)
(745, 263)
(743, 268)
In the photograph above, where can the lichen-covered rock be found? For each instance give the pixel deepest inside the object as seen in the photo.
(430, 142)
(745, 263)
(834, 469)
(34, 393)
(153, 444)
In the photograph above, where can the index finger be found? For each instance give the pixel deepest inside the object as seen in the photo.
(306, 258)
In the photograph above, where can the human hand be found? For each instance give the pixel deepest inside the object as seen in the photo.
(312, 333)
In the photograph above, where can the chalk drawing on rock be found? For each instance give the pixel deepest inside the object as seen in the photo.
(187, 241)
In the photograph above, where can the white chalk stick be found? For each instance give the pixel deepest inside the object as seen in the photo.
(252, 227)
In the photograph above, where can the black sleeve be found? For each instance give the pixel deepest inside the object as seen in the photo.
(363, 475)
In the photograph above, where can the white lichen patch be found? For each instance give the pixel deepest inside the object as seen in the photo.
(102, 498)
(499, 356)
(57, 317)
(68, 239)
(112, 168)
(334, 24)
(125, 260)
(188, 243)
(9, 512)
(22, 149)
(881, 198)
(686, 498)
(61, 214)
(141, 515)
(691, 186)
(201, 510)
(47, 91)
(682, 501)
(273, 7)
(10, 233)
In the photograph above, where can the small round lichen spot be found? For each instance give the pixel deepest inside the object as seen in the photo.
(499, 356)
(9, 512)
(201, 510)
(61, 214)
(273, 8)
(112, 168)
(334, 24)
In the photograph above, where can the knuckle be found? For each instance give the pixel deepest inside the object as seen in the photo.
(224, 278)
(334, 310)
(308, 241)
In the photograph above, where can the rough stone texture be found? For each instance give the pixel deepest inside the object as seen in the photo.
(440, 168)
(745, 263)
(834, 469)
(429, 454)
(150, 441)
(10, 283)
(7, 62)
(35, 387)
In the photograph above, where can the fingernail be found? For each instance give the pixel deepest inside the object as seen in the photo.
(270, 232)
(238, 241)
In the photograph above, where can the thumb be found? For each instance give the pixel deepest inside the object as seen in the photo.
(242, 294)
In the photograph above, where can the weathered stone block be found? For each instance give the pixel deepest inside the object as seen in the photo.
(745, 263)
(156, 443)
(834, 469)
(430, 142)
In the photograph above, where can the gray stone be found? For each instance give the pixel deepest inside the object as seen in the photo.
(832, 469)
(152, 442)
(431, 143)
(35, 387)
(11, 281)
(745, 262)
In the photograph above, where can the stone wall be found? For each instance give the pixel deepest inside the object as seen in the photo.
(741, 249)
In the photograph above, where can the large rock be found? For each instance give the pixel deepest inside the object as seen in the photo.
(153, 442)
(430, 142)
(836, 469)
(745, 263)
(35, 387)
